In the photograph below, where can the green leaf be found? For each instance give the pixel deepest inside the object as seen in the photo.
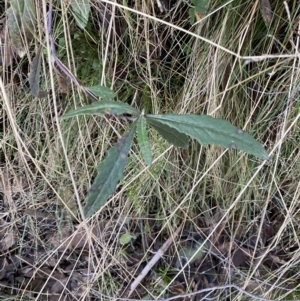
(100, 91)
(17, 5)
(29, 19)
(34, 76)
(81, 10)
(201, 6)
(191, 254)
(208, 130)
(143, 140)
(125, 238)
(192, 12)
(109, 107)
(168, 133)
(110, 172)
(21, 23)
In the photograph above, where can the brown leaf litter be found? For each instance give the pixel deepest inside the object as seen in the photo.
(61, 263)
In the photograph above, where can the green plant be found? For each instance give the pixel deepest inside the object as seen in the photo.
(199, 6)
(176, 129)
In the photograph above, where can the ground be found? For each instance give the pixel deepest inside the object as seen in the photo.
(221, 223)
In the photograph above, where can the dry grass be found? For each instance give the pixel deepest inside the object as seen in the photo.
(243, 212)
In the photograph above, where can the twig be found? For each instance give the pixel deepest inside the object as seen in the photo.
(153, 261)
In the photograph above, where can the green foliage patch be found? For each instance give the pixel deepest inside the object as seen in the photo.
(174, 128)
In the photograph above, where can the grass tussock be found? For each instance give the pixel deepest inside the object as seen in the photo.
(240, 216)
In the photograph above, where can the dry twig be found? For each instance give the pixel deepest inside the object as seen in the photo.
(152, 262)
